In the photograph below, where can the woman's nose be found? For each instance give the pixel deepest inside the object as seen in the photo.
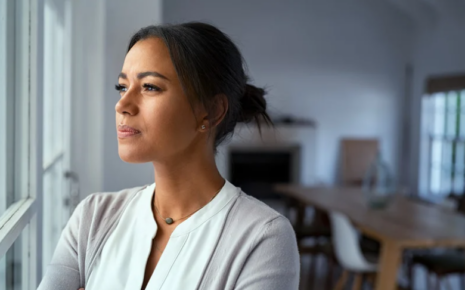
(127, 104)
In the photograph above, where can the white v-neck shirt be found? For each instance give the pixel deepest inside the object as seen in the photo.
(122, 262)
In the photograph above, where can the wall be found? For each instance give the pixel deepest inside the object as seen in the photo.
(439, 50)
(339, 62)
(123, 19)
(87, 90)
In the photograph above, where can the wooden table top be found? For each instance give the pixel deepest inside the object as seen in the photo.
(409, 223)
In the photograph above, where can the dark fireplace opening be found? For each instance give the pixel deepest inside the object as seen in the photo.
(257, 171)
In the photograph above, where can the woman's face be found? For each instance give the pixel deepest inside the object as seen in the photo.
(155, 107)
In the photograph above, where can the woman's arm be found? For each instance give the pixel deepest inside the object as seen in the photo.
(63, 271)
(274, 262)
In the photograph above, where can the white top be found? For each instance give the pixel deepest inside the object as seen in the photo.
(122, 262)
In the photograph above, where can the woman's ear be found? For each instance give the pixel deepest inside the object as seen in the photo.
(220, 108)
(209, 119)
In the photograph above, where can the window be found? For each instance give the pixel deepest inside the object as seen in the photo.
(20, 22)
(11, 265)
(444, 123)
(36, 38)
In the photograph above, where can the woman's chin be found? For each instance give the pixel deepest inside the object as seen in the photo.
(132, 156)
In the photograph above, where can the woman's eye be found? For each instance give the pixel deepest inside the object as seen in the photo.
(151, 88)
(120, 88)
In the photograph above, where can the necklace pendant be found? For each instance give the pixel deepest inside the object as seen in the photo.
(169, 221)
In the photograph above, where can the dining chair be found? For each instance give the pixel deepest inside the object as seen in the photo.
(441, 263)
(349, 253)
(318, 232)
(357, 155)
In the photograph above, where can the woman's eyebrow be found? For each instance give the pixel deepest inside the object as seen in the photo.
(144, 74)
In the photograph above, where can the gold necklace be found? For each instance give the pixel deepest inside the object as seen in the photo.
(170, 221)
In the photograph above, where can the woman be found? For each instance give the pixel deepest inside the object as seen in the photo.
(183, 90)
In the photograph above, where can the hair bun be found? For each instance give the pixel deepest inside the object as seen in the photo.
(253, 104)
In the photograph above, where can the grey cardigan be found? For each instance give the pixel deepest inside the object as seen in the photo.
(257, 249)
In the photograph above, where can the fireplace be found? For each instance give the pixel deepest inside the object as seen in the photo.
(257, 169)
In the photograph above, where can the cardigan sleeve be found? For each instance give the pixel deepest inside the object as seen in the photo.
(273, 262)
(63, 271)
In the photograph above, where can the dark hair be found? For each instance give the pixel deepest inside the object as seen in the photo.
(209, 64)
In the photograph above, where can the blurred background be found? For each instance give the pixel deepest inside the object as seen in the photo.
(367, 97)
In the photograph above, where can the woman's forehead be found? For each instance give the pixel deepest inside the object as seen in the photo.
(149, 55)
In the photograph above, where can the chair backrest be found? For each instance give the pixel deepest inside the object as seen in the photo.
(347, 246)
(357, 155)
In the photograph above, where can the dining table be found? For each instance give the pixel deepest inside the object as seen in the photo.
(403, 224)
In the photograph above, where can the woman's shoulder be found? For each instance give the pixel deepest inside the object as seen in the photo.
(257, 241)
(251, 216)
(254, 210)
(115, 200)
(98, 211)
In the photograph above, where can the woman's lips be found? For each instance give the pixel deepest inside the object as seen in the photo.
(125, 131)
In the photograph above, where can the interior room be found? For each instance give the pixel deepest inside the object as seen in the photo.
(365, 158)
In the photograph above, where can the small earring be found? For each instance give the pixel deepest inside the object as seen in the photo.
(203, 127)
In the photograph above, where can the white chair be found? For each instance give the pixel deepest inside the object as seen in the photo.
(348, 252)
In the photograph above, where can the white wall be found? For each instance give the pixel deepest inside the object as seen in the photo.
(338, 62)
(87, 89)
(123, 19)
(439, 50)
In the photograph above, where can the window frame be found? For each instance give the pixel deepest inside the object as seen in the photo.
(27, 210)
